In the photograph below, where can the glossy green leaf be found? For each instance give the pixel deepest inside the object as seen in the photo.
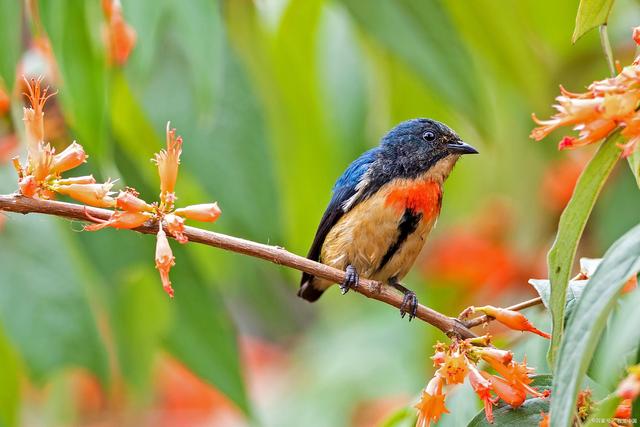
(572, 223)
(586, 324)
(9, 383)
(526, 415)
(591, 13)
(10, 29)
(43, 304)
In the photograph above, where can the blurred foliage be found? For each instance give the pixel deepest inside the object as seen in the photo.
(274, 98)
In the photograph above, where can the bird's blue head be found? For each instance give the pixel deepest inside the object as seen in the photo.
(415, 146)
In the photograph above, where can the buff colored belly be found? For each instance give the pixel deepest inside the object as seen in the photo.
(363, 235)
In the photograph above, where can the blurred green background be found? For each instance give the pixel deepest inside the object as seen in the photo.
(274, 98)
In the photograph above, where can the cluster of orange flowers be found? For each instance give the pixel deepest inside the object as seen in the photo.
(460, 360)
(41, 178)
(608, 105)
(120, 37)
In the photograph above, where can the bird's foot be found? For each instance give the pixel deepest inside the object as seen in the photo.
(350, 279)
(409, 302)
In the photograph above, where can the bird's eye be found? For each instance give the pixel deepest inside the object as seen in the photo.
(428, 136)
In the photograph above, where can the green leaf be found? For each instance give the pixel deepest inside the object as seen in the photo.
(570, 228)
(634, 164)
(10, 29)
(9, 383)
(586, 324)
(202, 334)
(591, 13)
(526, 415)
(405, 417)
(43, 306)
(606, 409)
(574, 291)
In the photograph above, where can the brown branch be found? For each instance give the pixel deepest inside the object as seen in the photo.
(516, 307)
(369, 288)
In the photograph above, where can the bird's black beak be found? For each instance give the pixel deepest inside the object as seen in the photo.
(460, 147)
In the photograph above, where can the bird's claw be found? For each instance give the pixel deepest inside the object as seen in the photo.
(350, 279)
(409, 305)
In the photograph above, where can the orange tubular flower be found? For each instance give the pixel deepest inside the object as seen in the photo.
(129, 201)
(91, 194)
(120, 37)
(175, 227)
(431, 405)
(623, 410)
(206, 212)
(497, 355)
(507, 391)
(168, 161)
(482, 387)
(608, 104)
(71, 157)
(164, 260)
(454, 368)
(34, 116)
(516, 374)
(512, 319)
(41, 161)
(121, 220)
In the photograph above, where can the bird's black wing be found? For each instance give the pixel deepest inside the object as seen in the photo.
(345, 188)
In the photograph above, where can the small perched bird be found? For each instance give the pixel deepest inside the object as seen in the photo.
(383, 207)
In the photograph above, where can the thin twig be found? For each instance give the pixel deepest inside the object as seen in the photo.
(606, 48)
(516, 307)
(369, 288)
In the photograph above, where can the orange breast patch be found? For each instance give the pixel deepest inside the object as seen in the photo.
(420, 196)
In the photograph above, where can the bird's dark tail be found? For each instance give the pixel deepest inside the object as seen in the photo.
(307, 290)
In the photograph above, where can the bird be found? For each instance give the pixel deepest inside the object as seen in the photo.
(383, 207)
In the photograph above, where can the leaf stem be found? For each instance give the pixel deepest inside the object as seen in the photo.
(606, 48)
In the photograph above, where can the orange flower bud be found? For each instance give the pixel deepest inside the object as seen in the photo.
(5, 102)
(175, 227)
(623, 410)
(129, 202)
(71, 157)
(431, 405)
(168, 161)
(511, 394)
(87, 179)
(164, 260)
(544, 422)
(121, 220)
(636, 35)
(206, 212)
(438, 358)
(28, 186)
(512, 319)
(120, 36)
(500, 356)
(91, 194)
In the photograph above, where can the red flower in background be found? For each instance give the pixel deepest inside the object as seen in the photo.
(559, 180)
(120, 37)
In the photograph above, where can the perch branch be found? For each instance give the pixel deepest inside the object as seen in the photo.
(369, 288)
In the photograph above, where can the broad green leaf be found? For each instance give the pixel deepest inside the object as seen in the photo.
(634, 164)
(74, 30)
(9, 383)
(572, 223)
(10, 42)
(405, 417)
(586, 324)
(141, 319)
(605, 411)
(202, 334)
(574, 291)
(591, 13)
(526, 415)
(44, 308)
